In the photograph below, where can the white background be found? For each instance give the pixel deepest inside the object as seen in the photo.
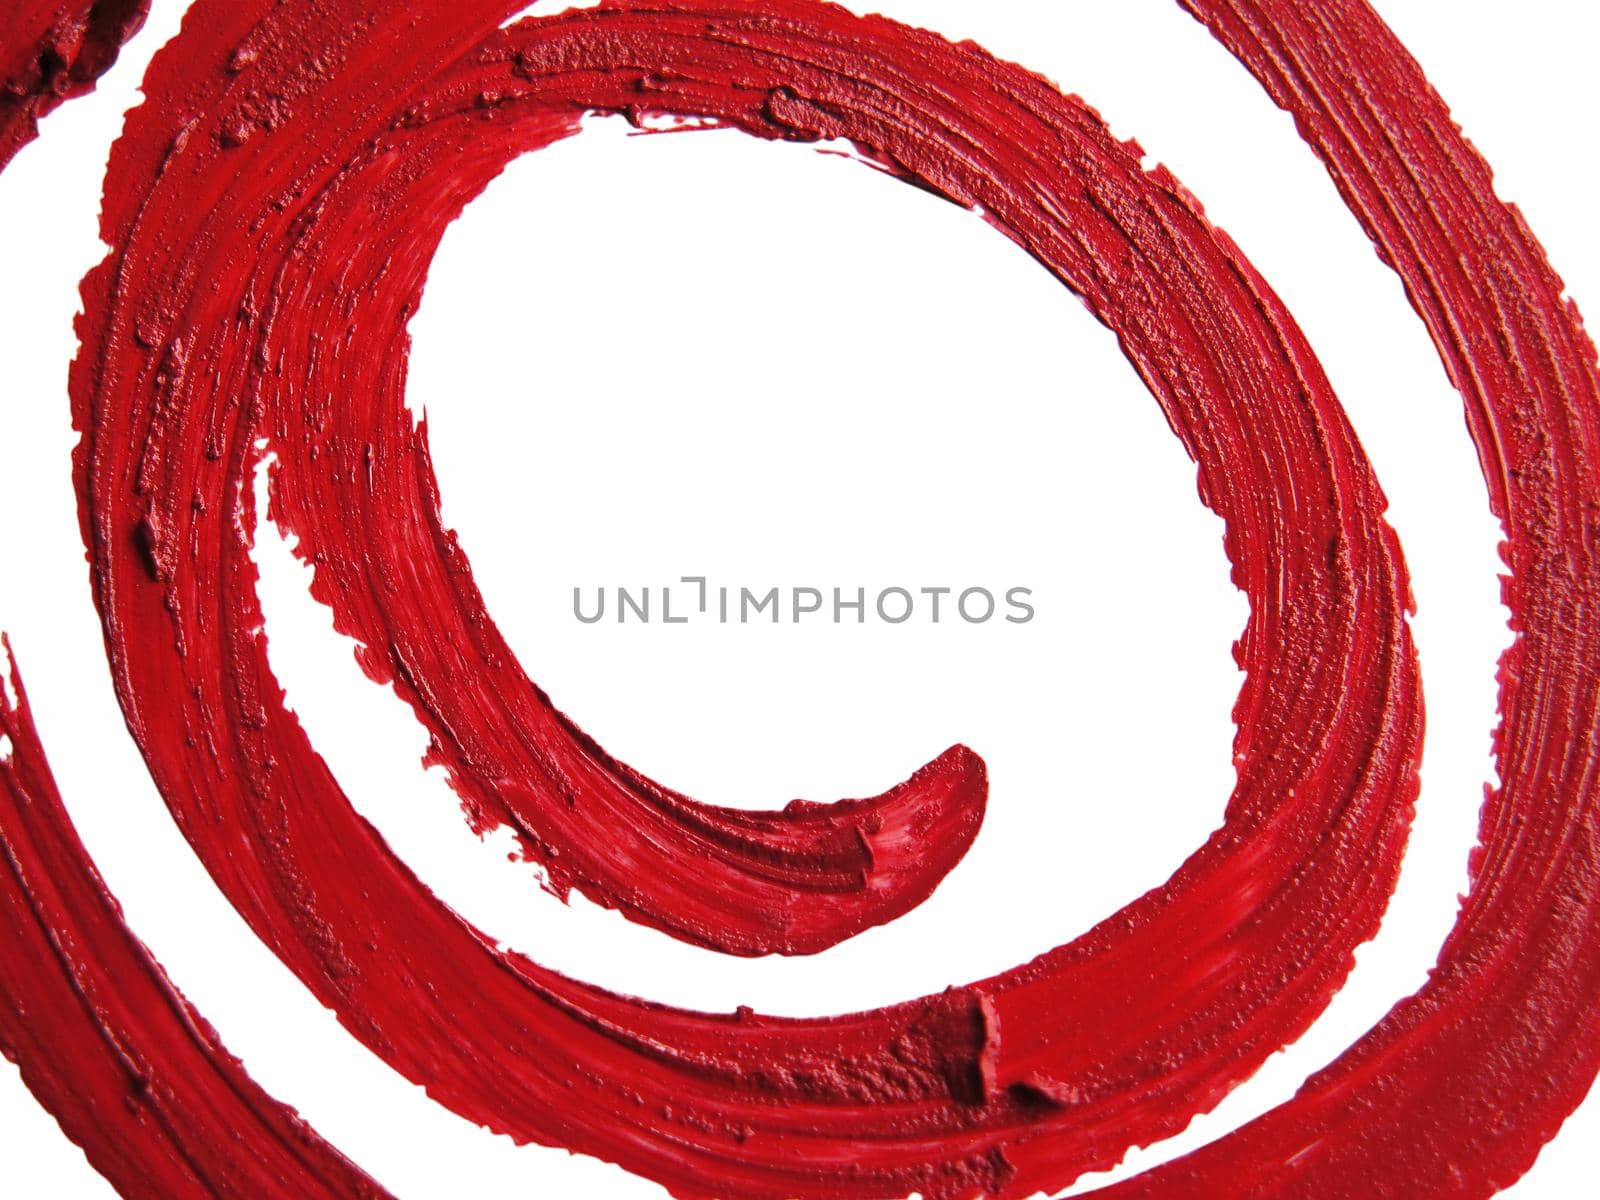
(886, 393)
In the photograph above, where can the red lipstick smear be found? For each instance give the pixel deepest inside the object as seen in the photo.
(272, 209)
(273, 223)
(1455, 1091)
(133, 1074)
(51, 52)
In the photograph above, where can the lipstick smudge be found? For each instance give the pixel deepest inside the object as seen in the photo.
(272, 209)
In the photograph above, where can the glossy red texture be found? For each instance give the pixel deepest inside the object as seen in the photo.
(273, 222)
(134, 1075)
(52, 51)
(272, 210)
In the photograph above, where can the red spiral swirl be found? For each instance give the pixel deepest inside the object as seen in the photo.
(272, 209)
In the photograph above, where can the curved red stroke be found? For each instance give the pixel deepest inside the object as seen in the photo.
(272, 210)
(793, 881)
(132, 1072)
(1455, 1091)
(1329, 1139)
(52, 51)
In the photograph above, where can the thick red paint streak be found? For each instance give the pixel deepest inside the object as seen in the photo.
(273, 209)
(135, 1076)
(1455, 1091)
(52, 51)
